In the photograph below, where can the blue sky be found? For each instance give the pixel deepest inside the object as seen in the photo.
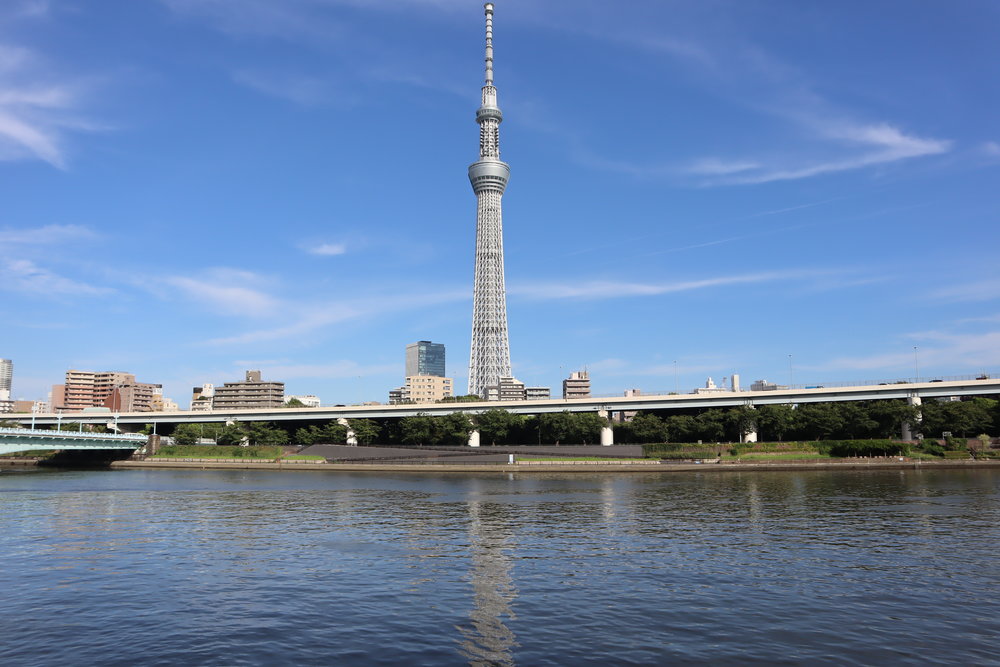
(192, 188)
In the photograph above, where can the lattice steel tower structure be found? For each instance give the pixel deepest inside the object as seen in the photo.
(490, 356)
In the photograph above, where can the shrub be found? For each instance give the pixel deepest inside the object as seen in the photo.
(853, 448)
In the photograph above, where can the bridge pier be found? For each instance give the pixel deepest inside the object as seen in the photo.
(352, 438)
(749, 435)
(910, 431)
(607, 433)
(474, 438)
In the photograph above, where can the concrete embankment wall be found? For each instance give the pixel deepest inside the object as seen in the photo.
(574, 466)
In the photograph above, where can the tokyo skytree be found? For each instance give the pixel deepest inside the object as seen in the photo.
(490, 356)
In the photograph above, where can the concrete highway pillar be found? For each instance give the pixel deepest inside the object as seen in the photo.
(607, 434)
(909, 431)
(751, 434)
(352, 439)
(474, 439)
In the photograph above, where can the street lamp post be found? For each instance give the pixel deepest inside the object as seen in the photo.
(916, 365)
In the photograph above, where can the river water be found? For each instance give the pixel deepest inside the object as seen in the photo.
(312, 568)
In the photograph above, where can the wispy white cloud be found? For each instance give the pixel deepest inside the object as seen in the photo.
(981, 290)
(31, 9)
(328, 249)
(299, 324)
(612, 289)
(957, 351)
(37, 106)
(47, 235)
(227, 291)
(991, 148)
(882, 144)
(302, 89)
(24, 276)
(288, 20)
(305, 318)
(717, 167)
(329, 370)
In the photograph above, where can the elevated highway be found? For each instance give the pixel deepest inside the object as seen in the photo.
(723, 399)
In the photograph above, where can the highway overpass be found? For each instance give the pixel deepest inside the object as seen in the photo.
(722, 399)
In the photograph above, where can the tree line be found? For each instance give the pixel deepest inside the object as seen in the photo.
(849, 420)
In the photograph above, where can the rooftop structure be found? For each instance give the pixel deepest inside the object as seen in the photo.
(489, 359)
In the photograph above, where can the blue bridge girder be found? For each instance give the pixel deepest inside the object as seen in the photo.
(13, 440)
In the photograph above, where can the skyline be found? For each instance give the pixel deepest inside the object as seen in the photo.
(194, 189)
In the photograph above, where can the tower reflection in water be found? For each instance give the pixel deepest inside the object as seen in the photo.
(486, 640)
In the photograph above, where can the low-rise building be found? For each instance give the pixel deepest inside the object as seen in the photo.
(710, 388)
(250, 393)
(577, 385)
(764, 385)
(537, 393)
(109, 389)
(308, 400)
(508, 389)
(427, 388)
(201, 397)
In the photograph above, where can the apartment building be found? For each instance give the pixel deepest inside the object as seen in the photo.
(250, 393)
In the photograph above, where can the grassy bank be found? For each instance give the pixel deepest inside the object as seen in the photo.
(217, 452)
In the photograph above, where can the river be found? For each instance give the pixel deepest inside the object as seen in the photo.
(187, 567)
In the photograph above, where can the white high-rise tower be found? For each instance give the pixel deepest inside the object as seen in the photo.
(490, 356)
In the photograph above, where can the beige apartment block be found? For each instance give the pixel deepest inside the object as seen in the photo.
(110, 389)
(251, 393)
(428, 388)
(577, 385)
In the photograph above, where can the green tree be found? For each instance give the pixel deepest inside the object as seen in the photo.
(294, 403)
(365, 430)
(742, 420)
(557, 427)
(264, 434)
(682, 428)
(819, 421)
(454, 429)
(466, 398)
(856, 420)
(775, 421)
(889, 416)
(419, 429)
(327, 434)
(587, 427)
(496, 425)
(232, 435)
(711, 425)
(646, 428)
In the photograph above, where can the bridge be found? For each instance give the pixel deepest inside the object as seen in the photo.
(911, 391)
(14, 440)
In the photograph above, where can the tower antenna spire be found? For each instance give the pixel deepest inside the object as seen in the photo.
(489, 43)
